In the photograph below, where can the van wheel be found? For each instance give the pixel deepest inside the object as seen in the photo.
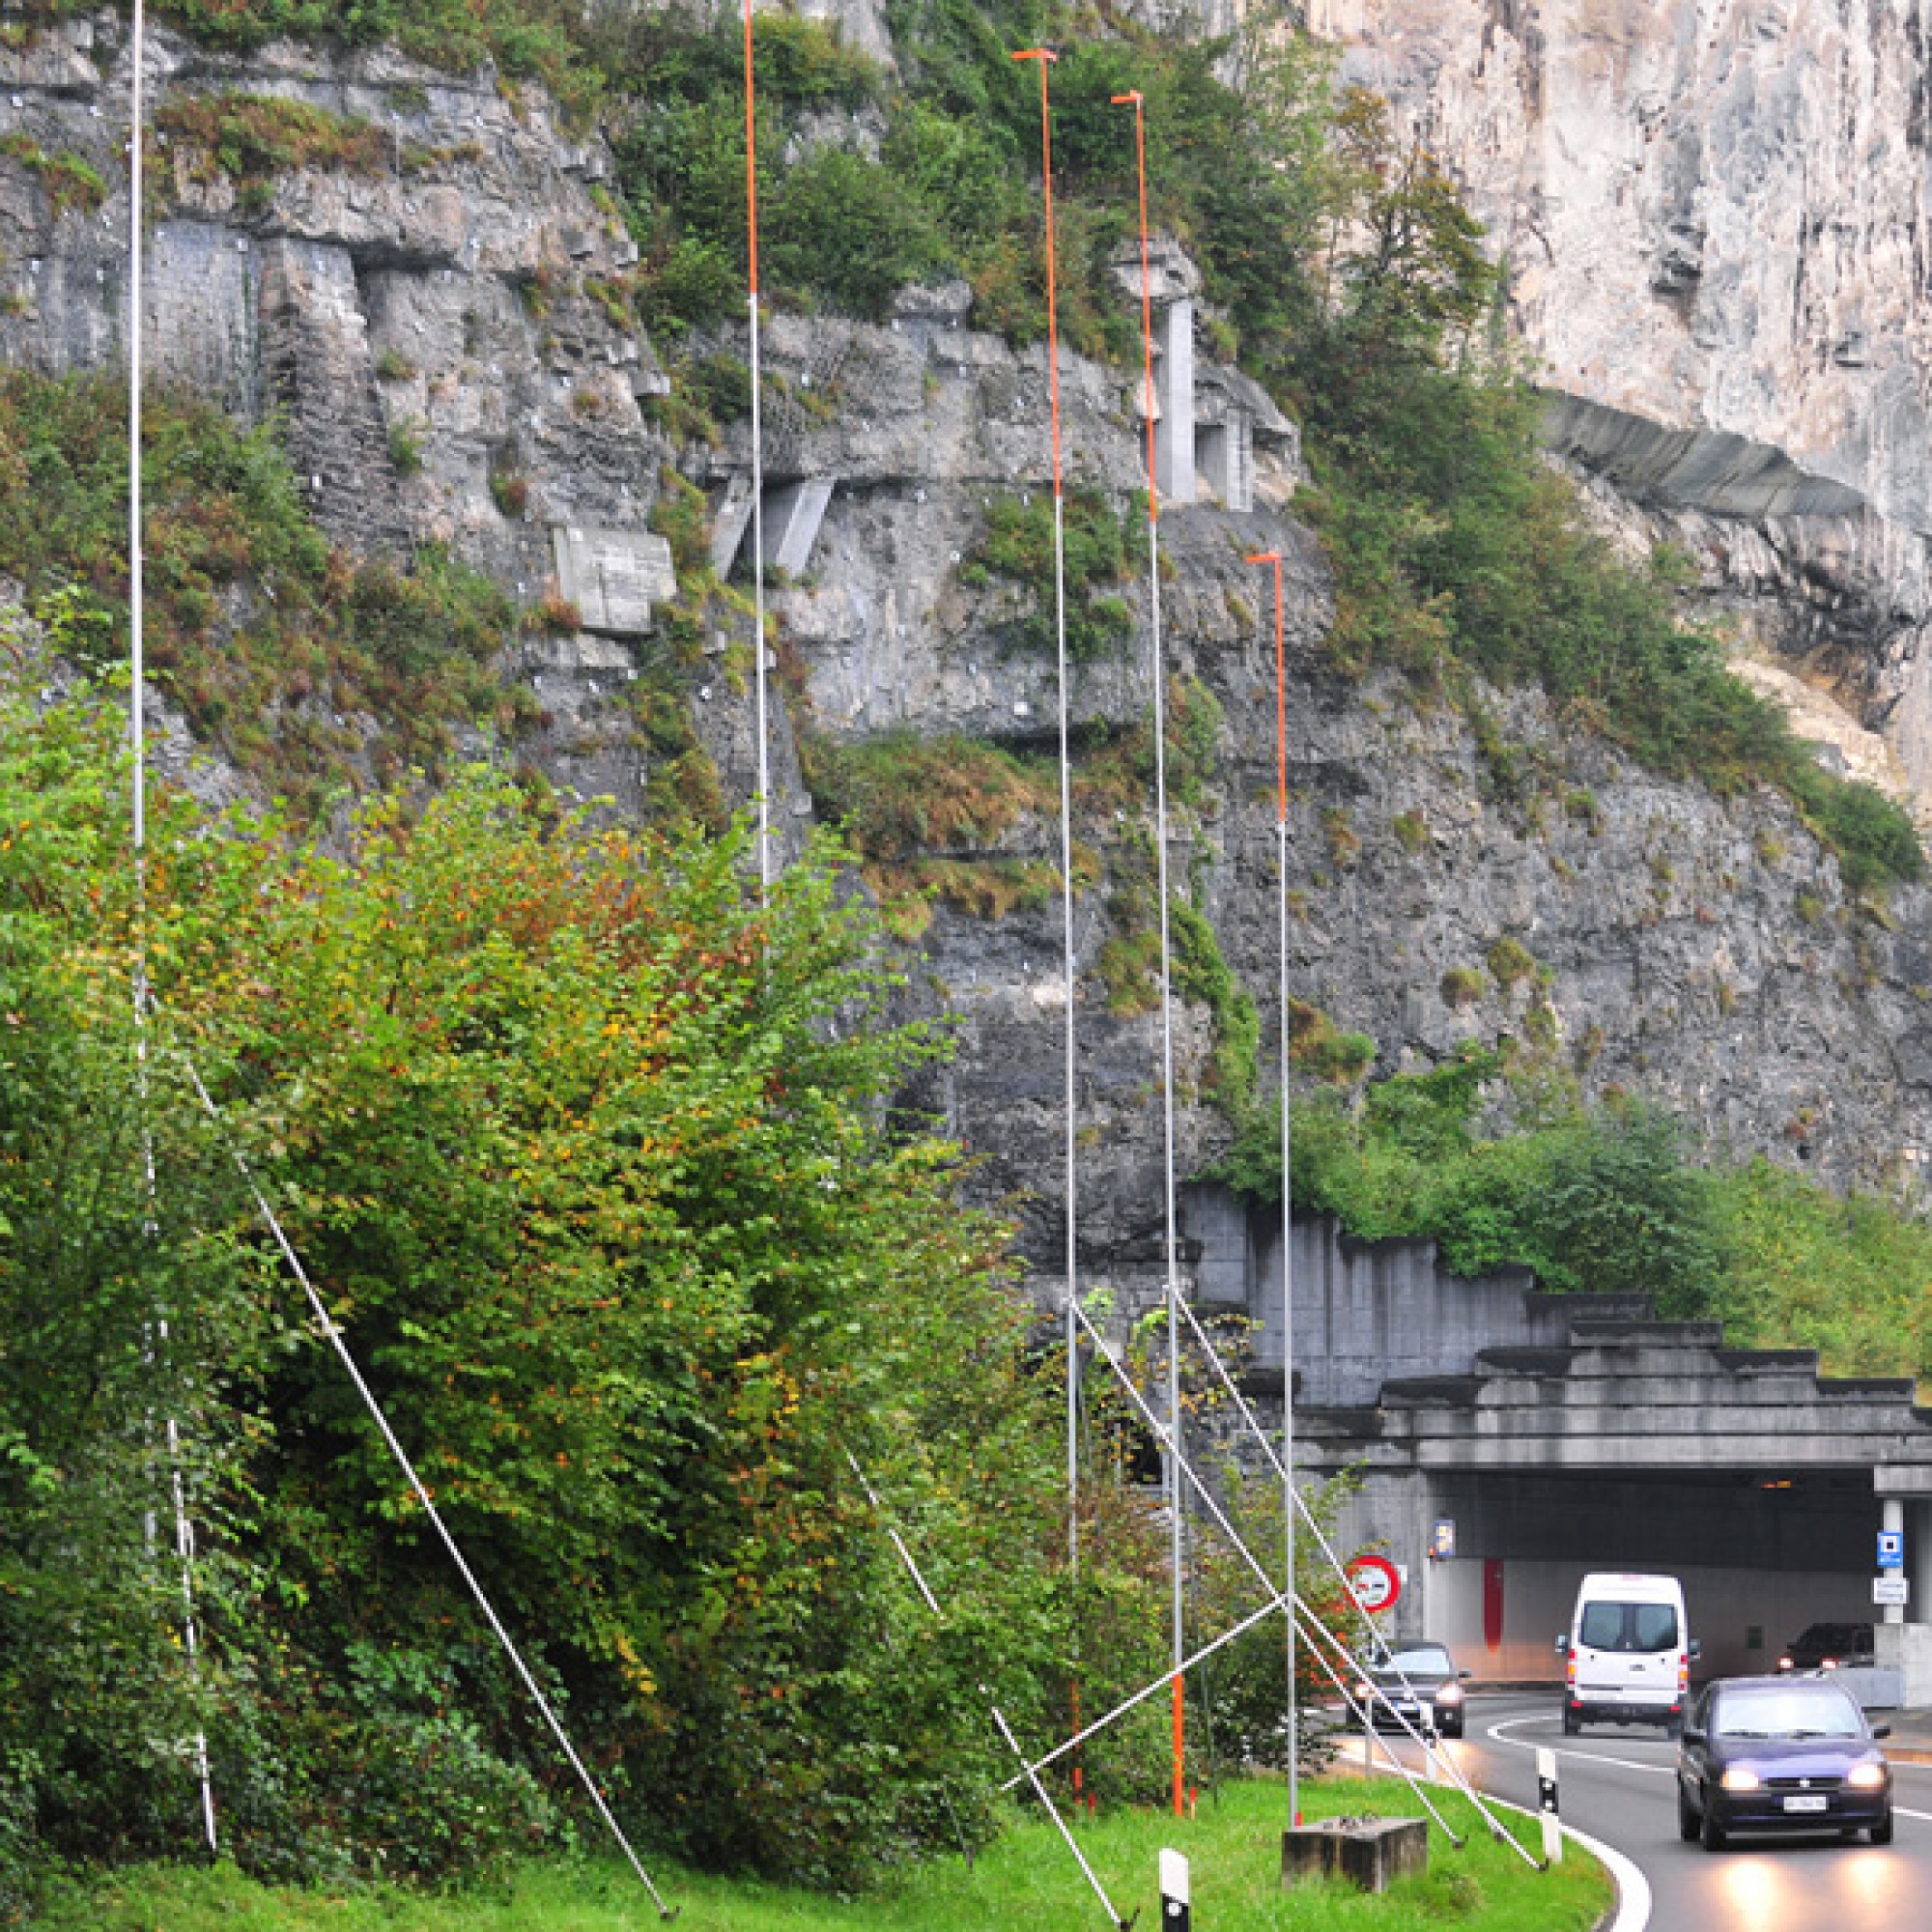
(1674, 1728)
(1572, 1723)
(1710, 1831)
(1687, 1819)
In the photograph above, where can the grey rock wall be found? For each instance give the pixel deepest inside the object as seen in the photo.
(1715, 223)
(1690, 946)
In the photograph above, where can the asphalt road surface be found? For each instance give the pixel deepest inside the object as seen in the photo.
(1616, 1784)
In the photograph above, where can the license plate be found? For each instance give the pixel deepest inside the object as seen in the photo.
(1812, 1804)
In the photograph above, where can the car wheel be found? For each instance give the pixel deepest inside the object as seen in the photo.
(1453, 1728)
(1572, 1723)
(1687, 1819)
(1881, 1832)
(1710, 1831)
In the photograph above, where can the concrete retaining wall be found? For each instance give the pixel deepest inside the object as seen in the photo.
(1369, 1312)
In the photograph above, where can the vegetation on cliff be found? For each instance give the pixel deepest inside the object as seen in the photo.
(299, 662)
(1616, 1199)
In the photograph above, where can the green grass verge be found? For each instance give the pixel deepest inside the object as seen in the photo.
(1026, 1882)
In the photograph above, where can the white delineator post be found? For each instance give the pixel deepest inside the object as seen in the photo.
(1176, 1894)
(1546, 1806)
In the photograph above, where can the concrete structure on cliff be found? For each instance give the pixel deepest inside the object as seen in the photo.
(1507, 1440)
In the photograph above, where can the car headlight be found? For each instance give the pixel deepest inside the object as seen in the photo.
(1784, 1663)
(1742, 1777)
(1867, 1777)
(1364, 1691)
(1449, 1694)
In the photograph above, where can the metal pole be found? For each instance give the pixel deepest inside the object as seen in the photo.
(1045, 57)
(1288, 1498)
(137, 733)
(765, 868)
(1177, 1552)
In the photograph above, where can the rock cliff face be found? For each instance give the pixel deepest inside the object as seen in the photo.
(431, 330)
(1715, 221)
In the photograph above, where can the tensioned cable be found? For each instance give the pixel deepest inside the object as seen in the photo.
(137, 733)
(1028, 1772)
(326, 1323)
(1314, 1523)
(758, 466)
(1276, 1604)
(1177, 1533)
(1287, 1460)
(1045, 57)
(1239, 1544)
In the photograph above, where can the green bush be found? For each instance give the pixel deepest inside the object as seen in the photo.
(845, 228)
(623, 1230)
(1102, 547)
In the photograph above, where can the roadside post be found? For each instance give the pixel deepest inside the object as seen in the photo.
(1174, 1911)
(1890, 1591)
(1546, 1806)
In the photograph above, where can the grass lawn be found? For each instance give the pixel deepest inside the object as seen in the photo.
(1026, 1882)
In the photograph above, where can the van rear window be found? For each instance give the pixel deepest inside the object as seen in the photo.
(1629, 1626)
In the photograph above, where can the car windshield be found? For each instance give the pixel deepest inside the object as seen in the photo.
(1629, 1626)
(1423, 1659)
(1787, 1711)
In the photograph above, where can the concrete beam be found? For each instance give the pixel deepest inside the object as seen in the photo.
(1174, 379)
(793, 513)
(730, 525)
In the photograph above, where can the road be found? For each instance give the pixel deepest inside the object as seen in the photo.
(1616, 1785)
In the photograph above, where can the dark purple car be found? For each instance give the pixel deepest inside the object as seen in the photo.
(1781, 1754)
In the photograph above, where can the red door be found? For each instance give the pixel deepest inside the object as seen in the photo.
(1493, 1604)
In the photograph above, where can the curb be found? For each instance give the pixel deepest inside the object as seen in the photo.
(1631, 1911)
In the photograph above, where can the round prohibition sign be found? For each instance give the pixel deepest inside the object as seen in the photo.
(1376, 1582)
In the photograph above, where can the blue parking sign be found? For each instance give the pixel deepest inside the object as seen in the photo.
(1892, 1550)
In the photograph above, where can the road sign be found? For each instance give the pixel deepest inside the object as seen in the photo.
(1892, 1590)
(1377, 1583)
(1892, 1550)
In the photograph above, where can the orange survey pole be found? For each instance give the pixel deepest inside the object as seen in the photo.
(1176, 1551)
(1045, 57)
(1273, 556)
(757, 464)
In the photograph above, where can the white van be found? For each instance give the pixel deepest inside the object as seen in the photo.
(1629, 1654)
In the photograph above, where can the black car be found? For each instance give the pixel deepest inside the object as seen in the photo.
(1828, 1646)
(1781, 1754)
(1421, 1682)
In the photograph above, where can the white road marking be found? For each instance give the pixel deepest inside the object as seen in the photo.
(1594, 1757)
